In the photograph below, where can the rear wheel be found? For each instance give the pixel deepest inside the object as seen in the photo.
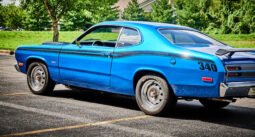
(153, 95)
(38, 79)
(213, 104)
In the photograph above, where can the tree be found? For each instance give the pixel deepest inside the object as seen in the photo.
(37, 17)
(88, 12)
(162, 11)
(247, 12)
(133, 11)
(237, 16)
(11, 16)
(193, 13)
(232, 16)
(102, 10)
(76, 18)
(56, 9)
(1, 15)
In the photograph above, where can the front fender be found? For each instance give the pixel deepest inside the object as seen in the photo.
(29, 59)
(50, 59)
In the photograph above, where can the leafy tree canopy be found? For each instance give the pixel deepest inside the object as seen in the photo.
(162, 12)
(133, 12)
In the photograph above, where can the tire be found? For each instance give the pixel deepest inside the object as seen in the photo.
(213, 104)
(153, 95)
(38, 79)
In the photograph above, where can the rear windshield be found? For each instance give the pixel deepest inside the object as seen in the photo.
(188, 37)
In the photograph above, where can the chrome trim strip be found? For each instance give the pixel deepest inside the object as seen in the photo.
(241, 84)
(223, 89)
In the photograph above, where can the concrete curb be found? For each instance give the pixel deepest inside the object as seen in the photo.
(6, 52)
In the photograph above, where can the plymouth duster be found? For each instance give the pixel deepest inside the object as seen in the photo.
(157, 63)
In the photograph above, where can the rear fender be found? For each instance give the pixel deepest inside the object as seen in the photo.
(152, 70)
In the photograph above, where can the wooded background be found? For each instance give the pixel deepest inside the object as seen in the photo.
(210, 16)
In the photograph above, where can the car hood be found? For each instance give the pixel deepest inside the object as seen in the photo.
(211, 49)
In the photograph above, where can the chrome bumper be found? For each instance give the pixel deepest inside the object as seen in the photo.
(17, 67)
(237, 89)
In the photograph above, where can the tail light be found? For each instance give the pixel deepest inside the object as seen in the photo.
(233, 68)
(231, 71)
(234, 74)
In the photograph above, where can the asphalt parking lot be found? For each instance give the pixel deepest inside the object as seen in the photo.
(90, 113)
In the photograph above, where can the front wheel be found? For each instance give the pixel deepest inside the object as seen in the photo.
(153, 95)
(213, 104)
(38, 79)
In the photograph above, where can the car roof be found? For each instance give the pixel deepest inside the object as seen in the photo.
(139, 24)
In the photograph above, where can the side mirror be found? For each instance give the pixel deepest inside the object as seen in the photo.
(78, 43)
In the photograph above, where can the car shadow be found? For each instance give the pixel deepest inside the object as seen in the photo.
(99, 97)
(234, 116)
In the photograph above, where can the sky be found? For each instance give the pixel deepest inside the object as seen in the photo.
(5, 2)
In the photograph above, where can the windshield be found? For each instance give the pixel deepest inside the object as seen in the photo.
(184, 37)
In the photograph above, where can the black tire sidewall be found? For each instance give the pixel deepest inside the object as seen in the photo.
(46, 88)
(168, 102)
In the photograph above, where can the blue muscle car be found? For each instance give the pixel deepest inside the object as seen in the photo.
(155, 62)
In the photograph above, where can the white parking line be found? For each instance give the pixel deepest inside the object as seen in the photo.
(100, 123)
(44, 112)
(14, 94)
(89, 122)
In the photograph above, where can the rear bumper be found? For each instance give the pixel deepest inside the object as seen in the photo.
(237, 89)
(17, 67)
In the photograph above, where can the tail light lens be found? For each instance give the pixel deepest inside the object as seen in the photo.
(231, 71)
(233, 68)
(233, 74)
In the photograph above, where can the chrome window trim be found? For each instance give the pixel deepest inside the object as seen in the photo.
(121, 26)
(158, 30)
(91, 29)
(139, 33)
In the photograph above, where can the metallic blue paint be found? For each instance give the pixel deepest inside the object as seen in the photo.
(113, 69)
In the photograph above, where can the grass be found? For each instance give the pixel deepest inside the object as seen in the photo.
(237, 40)
(11, 39)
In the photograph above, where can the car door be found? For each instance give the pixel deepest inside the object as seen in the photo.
(89, 63)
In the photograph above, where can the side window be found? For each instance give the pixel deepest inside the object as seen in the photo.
(101, 36)
(129, 37)
(179, 37)
(168, 35)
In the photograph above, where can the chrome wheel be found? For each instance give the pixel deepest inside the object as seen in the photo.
(152, 94)
(37, 78)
